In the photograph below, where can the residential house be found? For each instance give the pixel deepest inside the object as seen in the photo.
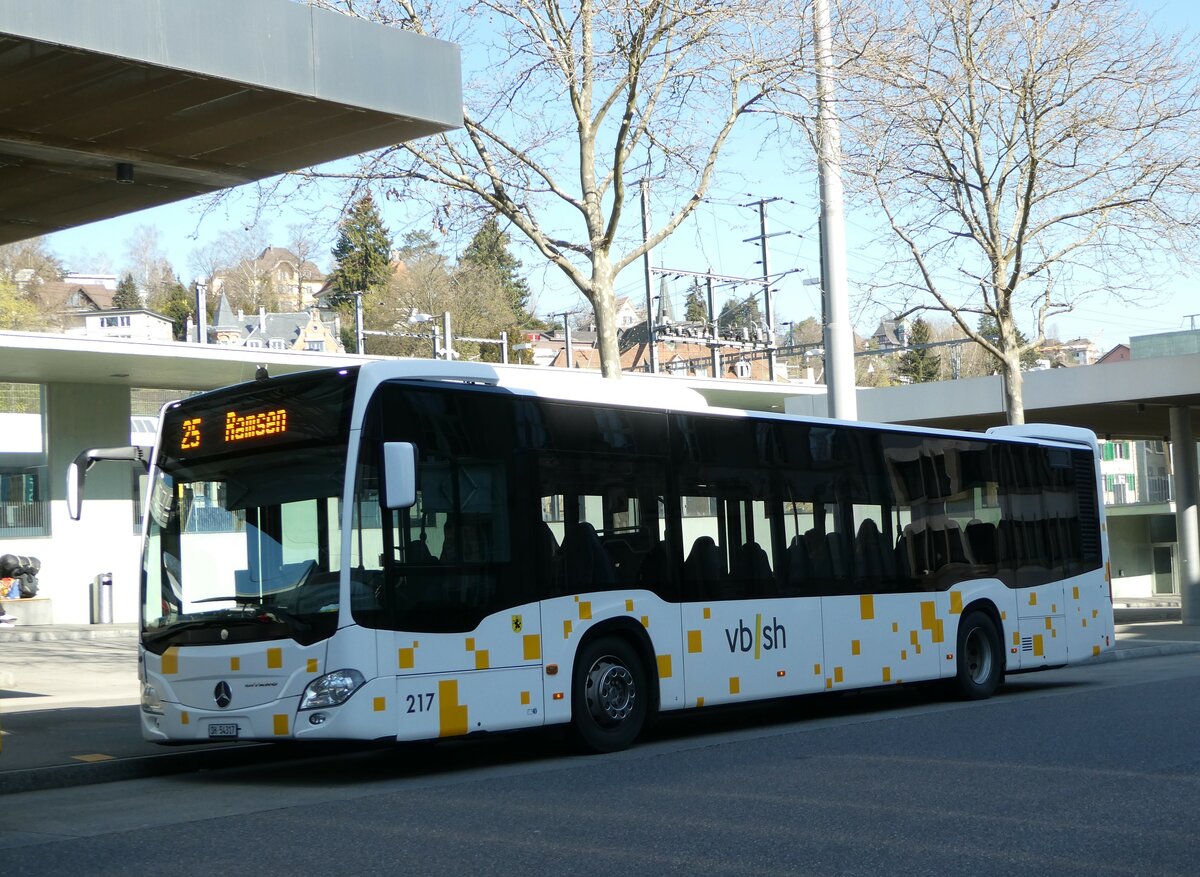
(276, 274)
(298, 330)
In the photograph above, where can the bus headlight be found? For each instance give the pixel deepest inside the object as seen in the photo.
(151, 702)
(331, 689)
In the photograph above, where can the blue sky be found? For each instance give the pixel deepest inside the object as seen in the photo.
(712, 239)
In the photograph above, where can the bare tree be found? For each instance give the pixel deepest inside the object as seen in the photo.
(425, 285)
(1027, 154)
(241, 276)
(574, 103)
(304, 245)
(148, 264)
(29, 261)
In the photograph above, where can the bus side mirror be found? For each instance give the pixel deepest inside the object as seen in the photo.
(399, 474)
(75, 474)
(77, 471)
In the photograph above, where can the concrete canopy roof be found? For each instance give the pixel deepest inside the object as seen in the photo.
(1123, 400)
(33, 357)
(196, 96)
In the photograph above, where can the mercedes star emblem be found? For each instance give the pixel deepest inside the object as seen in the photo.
(222, 695)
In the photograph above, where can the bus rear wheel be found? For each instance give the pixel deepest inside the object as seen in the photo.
(609, 695)
(980, 658)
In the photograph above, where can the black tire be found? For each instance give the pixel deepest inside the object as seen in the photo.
(980, 657)
(610, 695)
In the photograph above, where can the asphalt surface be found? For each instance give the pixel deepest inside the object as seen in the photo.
(69, 714)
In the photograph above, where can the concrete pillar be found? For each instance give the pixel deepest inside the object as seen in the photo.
(1187, 524)
(105, 540)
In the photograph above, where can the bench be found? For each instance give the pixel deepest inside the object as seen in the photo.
(31, 610)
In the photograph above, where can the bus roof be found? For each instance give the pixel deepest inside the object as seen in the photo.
(661, 392)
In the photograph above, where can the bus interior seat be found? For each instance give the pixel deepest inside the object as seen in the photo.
(870, 559)
(751, 569)
(835, 547)
(418, 552)
(797, 565)
(655, 570)
(584, 564)
(704, 569)
(818, 553)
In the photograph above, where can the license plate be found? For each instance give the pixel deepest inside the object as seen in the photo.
(224, 730)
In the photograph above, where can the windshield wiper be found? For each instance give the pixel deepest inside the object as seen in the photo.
(156, 636)
(267, 613)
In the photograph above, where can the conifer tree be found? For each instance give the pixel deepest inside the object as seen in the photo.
(489, 250)
(919, 364)
(694, 309)
(127, 294)
(362, 252)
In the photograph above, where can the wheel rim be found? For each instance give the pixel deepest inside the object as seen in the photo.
(610, 691)
(977, 651)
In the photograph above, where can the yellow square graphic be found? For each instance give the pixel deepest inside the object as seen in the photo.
(280, 723)
(664, 666)
(235, 664)
(481, 659)
(380, 704)
(695, 642)
(866, 606)
(406, 659)
(532, 646)
(735, 685)
(855, 647)
(274, 659)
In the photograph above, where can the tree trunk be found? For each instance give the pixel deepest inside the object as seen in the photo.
(605, 308)
(1014, 401)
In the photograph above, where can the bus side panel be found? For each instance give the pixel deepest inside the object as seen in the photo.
(750, 649)
(568, 619)
(1089, 620)
(879, 639)
(487, 679)
(1042, 630)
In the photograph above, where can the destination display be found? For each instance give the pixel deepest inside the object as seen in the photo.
(235, 427)
(293, 411)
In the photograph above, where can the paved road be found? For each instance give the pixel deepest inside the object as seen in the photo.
(1090, 770)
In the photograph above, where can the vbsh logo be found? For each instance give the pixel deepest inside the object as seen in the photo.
(760, 639)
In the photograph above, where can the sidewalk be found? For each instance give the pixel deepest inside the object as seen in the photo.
(69, 704)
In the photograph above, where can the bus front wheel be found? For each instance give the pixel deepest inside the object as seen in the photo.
(980, 657)
(609, 695)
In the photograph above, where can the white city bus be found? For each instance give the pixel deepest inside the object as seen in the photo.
(414, 550)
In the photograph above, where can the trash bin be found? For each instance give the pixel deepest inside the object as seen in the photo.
(102, 599)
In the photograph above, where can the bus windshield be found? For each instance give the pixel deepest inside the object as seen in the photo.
(243, 531)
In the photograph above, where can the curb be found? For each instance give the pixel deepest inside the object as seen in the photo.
(54, 634)
(1155, 650)
(64, 776)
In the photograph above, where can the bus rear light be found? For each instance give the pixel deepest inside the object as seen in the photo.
(781, 673)
(558, 695)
